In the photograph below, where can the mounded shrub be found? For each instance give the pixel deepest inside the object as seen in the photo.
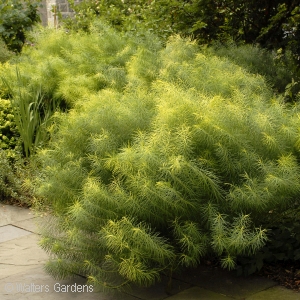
(185, 160)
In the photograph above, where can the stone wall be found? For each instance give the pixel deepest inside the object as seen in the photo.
(50, 8)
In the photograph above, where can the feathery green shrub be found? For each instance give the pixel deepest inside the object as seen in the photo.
(75, 67)
(75, 64)
(278, 68)
(276, 30)
(179, 154)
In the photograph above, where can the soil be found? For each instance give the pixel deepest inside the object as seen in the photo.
(285, 273)
(14, 202)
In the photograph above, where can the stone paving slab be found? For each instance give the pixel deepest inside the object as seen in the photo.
(20, 254)
(197, 293)
(159, 290)
(31, 225)
(275, 293)
(9, 232)
(10, 214)
(224, 282)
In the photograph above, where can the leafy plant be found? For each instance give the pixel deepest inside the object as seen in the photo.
(13, 173)
(283, 243)
(7, 178)
(8, 128)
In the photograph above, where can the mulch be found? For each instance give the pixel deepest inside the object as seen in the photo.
(14, 202)
(286, 274)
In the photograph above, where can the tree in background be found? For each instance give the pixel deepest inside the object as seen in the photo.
(17, 17)
(272, 24)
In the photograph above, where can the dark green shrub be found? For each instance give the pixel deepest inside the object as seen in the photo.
(160, 17)
(187, 158)
(12, 169)
(283, 244)
(16, 18)
(7, 178)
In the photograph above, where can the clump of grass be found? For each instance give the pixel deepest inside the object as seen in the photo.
(30, 114)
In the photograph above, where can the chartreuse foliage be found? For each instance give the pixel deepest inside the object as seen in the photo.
(277, 67)
(74, 66)
(176, 154)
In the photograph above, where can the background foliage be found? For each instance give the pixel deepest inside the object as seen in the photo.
(273, 25)
(16, 18)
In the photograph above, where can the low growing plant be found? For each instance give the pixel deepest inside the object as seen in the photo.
(283, 244)
(13, 173)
